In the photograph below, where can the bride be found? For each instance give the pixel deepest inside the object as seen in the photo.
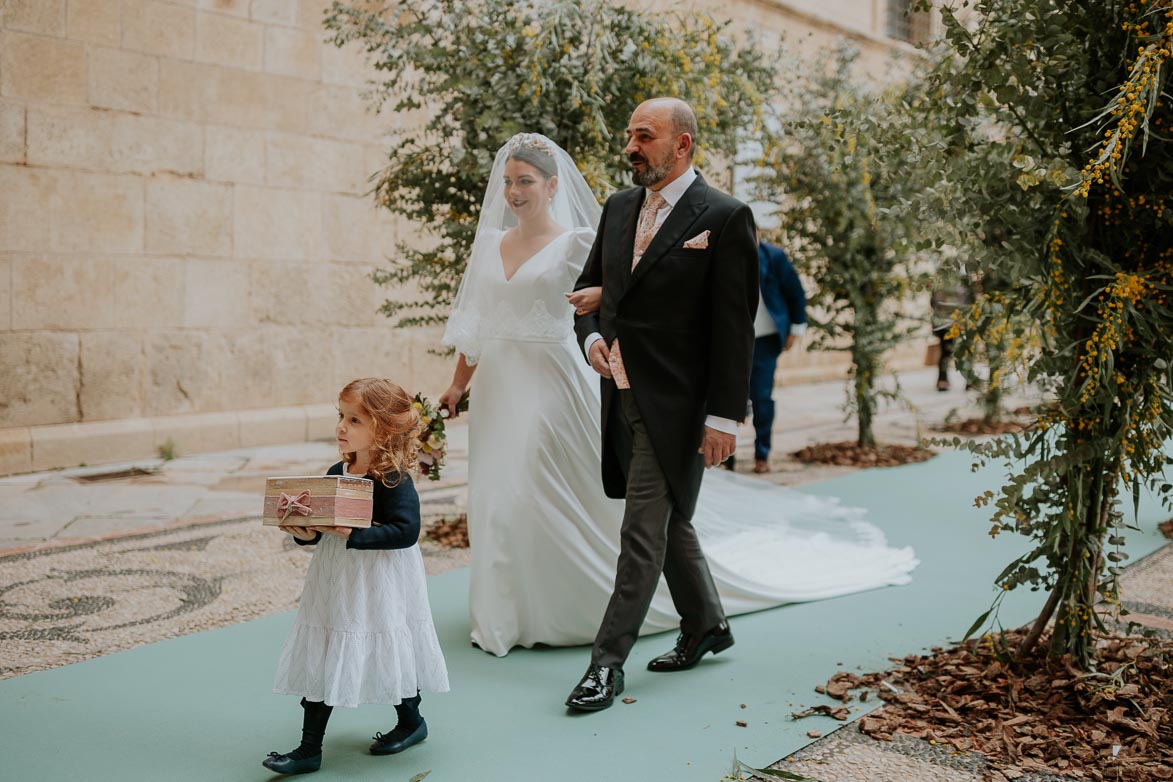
(544, 537)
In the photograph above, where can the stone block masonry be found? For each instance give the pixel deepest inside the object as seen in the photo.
(168, 172)
(186, 230)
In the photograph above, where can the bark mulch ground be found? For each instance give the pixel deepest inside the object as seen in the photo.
(980, 426)
(1037, 715)
(849, 453)
(451, 532)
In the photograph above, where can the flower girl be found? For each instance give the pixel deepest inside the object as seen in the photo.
(364, 632)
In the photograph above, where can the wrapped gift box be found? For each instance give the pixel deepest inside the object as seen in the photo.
(319, 501)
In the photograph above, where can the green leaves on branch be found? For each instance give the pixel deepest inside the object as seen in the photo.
(1060, 116)
(462, 76)
(846, 167)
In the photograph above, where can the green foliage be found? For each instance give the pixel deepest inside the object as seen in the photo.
(475, 72)
(168, 449)
(841, 162)
(1060, 126)
(994, 340)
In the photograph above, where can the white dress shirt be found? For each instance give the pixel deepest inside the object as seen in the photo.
(764, 325)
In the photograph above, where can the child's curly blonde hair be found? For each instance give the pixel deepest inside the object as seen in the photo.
(397, 425)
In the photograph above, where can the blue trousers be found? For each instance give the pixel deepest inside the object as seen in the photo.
(761, 389)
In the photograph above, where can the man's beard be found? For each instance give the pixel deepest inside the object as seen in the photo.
(652, 174)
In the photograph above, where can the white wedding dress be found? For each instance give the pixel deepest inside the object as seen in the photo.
(545, 538)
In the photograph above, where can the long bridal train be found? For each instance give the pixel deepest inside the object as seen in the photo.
(549, 582)
(545, 538)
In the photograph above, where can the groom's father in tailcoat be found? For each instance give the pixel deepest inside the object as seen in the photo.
(673, 342)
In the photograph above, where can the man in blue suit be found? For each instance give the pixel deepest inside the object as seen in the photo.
(780, 323)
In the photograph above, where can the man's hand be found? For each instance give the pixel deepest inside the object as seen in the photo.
(600, 356)
(717, 446)
(790, 340)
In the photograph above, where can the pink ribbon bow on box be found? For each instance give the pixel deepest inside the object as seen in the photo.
(287, 506)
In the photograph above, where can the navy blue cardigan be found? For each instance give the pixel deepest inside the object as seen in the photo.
(395, 522)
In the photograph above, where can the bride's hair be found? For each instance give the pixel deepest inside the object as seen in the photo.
(531, 149)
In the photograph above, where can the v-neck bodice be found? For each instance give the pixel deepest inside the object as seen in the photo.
(535, 257)
(531, 305)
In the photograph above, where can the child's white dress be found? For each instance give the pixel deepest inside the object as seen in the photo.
(364, 631)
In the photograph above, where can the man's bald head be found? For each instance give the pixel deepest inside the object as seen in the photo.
(680, 116)
(661, 138)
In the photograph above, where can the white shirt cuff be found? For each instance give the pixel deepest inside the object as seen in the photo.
(591, 339)
(726, 425)
(797, 329)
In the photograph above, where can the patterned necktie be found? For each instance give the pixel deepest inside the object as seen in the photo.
(645, 230)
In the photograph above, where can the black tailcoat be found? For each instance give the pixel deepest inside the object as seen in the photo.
(684, 319)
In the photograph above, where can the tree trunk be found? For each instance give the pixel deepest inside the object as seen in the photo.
(865, 364)
(865, 413)
(992, 406)
(1036, 630)
(1079, 576)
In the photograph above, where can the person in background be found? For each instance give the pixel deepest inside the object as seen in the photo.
(946, 300)
(780, 324)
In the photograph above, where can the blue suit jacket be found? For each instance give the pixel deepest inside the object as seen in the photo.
(781, 289)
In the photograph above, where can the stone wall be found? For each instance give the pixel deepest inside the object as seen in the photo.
(185, 239)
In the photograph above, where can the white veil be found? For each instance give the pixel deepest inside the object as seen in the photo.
(573, 206)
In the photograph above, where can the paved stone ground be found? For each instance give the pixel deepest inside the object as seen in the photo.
(96, 560)
(63, 604)
(849, 756)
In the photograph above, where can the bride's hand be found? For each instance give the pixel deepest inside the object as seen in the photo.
(450, 399)
(586, 300)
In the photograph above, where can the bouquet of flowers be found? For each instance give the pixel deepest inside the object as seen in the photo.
(433, 440)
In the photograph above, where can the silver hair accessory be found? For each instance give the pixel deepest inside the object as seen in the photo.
(531, 141)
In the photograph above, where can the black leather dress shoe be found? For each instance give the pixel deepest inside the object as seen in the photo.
(283, 764)
(691, 648)
(399, 740)
(597, 690)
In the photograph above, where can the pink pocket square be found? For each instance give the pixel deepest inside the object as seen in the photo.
(698, 242)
